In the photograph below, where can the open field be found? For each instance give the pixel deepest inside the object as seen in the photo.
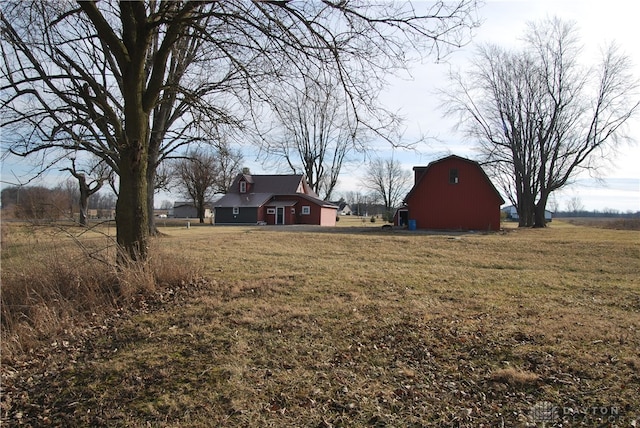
(605, 222)
(349, 326)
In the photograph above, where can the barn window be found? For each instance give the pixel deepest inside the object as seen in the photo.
(236, 210)
(243, 187)
(271, 210)
(306, 210)
(293, 210)
(453, 176)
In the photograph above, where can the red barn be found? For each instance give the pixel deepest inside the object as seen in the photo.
(452, 193)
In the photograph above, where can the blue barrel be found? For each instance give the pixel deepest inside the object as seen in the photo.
(412, 225)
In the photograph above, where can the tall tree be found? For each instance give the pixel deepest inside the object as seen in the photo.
(227, 165)
(202, 174)
(388, 182)
(317, 132)
(540, 116)
(196, 178)
(90, 181)
(95, 76)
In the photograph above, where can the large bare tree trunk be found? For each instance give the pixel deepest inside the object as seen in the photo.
(525, 216)
(540, 208)
(201, 209)
(131, 208)
(84, 206)
(132, 214)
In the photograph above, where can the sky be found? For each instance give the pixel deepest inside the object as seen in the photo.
(503, 22)
(617, 187)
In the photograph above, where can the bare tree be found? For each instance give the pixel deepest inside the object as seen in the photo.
(200, 175)
(196, 178)
(317, 132)
(69, 188)
(96, 76)
(90, 181)
(227, 165)
(540, 116)
(574, 205)
(388, 182)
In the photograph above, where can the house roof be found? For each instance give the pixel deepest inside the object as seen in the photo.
(341, 205)
(281, 203)
(276, 184)
(178, 204)
(243, 199)
(317, 201)
(266, 187)
(424, 169)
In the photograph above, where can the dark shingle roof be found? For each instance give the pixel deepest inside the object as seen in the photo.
(264, 187)
(276, 184)
(243, 199)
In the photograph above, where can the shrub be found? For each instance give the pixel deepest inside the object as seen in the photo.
(51, 289)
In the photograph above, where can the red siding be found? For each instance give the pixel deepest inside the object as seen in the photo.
(471, 204)
(318, 215)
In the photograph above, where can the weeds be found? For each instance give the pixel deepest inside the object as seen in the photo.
(351, 327)
(51, 286)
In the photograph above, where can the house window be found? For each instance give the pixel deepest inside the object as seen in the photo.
(293, 210)
(236, 210)
(271, 210)
(453, 176)
(243, 187)
(306, 210)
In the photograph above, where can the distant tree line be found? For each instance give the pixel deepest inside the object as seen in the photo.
(607, 213)
(51, 203)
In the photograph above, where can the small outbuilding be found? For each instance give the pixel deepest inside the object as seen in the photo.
(187, 209)
(453, 193)
(511, 213)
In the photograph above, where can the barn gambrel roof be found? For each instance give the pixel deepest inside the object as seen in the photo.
(421, 172)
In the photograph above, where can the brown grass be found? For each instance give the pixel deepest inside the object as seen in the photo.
(353, 326)
(55, 280)
(606, 223)
(514, 376)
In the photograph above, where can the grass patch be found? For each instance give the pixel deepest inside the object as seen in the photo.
(515, 377)
(606, 223)
(353, 326)
(57, 280)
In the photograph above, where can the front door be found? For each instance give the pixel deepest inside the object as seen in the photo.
(403, 218)
(279, 215)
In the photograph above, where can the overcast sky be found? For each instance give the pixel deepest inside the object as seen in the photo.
(504, 22)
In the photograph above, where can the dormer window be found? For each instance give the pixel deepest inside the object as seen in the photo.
(453, 176)
(243, 186)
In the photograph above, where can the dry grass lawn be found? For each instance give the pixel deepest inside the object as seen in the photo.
(351, 326)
